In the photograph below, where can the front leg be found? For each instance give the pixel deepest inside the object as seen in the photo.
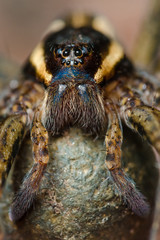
(26, 195)
(126, 187)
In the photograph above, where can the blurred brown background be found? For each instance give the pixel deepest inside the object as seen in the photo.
(22, 22)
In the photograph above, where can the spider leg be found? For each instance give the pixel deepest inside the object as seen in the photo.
(14, 127)
(146, 121)
(11, 135)
(126, 187)
(30, 186)
(142, 118)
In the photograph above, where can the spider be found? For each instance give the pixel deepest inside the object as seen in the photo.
(78, 76)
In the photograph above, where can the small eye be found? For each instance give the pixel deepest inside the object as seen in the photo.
(81, 61)
(68, 63)
(59, 52)
(66, 52)
(78, 52)
(75, 62)
(86, 50)
(63, 61)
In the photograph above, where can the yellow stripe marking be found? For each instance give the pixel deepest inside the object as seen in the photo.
(38, 61)
(107, 67)
(79, 20)
(103, 25)
(55, 26)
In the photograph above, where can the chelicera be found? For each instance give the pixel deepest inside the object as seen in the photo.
(78, 76)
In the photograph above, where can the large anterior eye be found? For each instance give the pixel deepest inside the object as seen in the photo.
(66, 52)
(78, 52)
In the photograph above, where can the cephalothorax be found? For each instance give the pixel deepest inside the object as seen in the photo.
(78, 76)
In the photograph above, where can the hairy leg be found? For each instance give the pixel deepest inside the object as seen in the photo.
(126, 187)
(30, 186)
(142, 118)
(12, 133)
(13, 128)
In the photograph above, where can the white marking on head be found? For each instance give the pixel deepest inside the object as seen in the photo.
(61, 88)
(82, 88)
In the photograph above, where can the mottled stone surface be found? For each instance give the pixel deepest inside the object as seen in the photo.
(77, 196)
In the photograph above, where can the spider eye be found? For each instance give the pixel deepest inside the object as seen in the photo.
(66, 53)
(75, 62)
(68, 63)
(86, 50)
(59, 52)
(78, 52)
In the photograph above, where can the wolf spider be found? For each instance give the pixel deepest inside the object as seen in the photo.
(78, 76)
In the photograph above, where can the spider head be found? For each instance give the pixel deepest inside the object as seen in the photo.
(84, 49)
(75, 48)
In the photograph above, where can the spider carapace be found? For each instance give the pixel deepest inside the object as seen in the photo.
(78, 76)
